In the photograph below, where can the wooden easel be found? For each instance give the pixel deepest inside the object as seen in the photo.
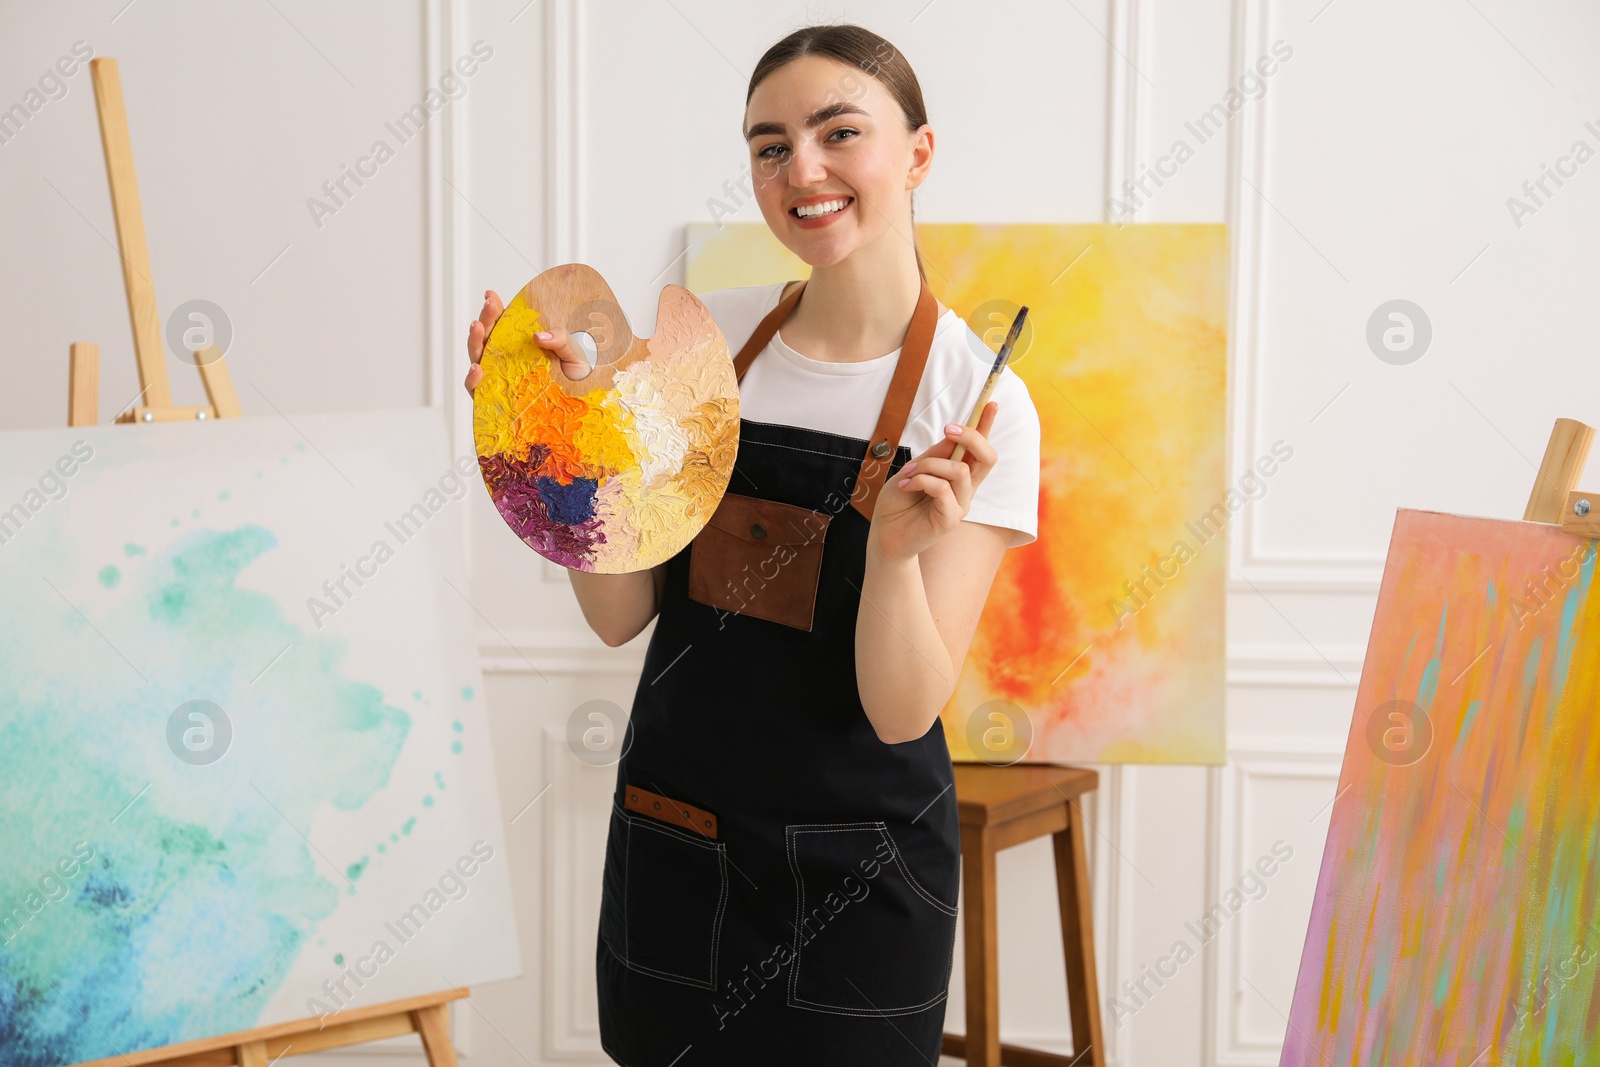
(427, 1015)
(1554, 499)
(154, 403)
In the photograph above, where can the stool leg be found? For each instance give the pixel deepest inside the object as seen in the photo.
(982, 945)
(1077, 936)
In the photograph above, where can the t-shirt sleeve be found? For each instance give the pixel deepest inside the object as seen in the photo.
(1009, 495)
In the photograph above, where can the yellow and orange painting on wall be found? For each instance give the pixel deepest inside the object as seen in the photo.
(1103, 640)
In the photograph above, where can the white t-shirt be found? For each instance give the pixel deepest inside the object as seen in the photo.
(782, 386)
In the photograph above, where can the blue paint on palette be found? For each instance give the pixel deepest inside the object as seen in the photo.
(570, 505)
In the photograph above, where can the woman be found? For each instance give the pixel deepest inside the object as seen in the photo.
(782, 863)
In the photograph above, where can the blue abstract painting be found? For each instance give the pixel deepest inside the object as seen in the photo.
(245, 775)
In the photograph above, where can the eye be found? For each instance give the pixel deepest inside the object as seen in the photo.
(845, 129)
(765, 153)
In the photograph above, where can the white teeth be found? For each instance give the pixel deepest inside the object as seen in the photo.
(807, 211)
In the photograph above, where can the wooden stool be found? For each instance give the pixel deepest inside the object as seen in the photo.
(1001, 807)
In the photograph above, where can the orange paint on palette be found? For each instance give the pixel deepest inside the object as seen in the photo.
(548, 417)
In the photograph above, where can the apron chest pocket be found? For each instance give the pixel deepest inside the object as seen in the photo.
(759, 557)
(662, 899)
(873, 940)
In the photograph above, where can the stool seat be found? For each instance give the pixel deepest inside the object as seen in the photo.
(1000, 807)
(987, 795)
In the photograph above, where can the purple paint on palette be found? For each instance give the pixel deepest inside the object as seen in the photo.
(516, 488)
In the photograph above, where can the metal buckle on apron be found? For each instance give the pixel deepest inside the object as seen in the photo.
(759, 557)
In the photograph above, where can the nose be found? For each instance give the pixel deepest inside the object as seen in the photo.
(805, 163)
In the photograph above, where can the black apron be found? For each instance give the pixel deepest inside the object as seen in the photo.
(779, 885)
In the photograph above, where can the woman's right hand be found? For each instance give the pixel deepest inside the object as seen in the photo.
(555, 343)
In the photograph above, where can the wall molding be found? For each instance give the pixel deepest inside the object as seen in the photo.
(1128, 105)
(560, 652)
(1259, 664)
(561, 967)
(1294, 664)
(563, 131)
(1112, 813)
(1252, 759)
(1247, 140)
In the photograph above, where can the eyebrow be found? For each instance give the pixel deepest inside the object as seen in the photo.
(815, 119)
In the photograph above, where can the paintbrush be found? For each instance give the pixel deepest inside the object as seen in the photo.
(994, 376)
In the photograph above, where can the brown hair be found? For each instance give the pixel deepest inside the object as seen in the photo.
(858, 47)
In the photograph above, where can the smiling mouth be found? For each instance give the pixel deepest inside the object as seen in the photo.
(847, 201)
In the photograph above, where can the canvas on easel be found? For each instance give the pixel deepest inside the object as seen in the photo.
(1457, 912)
(304, 856)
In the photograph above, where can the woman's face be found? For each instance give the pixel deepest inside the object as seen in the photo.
(821, 131)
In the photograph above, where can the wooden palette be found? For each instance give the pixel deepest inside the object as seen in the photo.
(619, 470)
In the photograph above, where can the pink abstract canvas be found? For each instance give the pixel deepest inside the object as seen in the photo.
(1457, 913)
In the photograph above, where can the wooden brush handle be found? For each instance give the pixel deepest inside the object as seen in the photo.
(977, 412)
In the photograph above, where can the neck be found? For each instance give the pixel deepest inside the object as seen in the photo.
(860, 307)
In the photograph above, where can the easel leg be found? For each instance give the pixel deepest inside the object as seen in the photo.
(433, 1024)
(1077, 936)
(253, 1054)
(83, 384)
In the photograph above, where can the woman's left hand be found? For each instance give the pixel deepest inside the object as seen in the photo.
(925, 499)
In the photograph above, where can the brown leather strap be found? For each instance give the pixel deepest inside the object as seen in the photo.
(677, 813)
(896, 404)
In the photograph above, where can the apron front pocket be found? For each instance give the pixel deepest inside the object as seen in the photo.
(662, 900)
(759, 557)
(871, 939)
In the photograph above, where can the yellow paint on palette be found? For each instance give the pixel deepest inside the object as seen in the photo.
(621, 476)
(1457, 912)
(1103, 641)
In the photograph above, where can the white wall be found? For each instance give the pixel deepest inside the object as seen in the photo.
(1376, 165)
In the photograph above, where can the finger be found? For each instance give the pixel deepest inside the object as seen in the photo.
(974, 439)
(975, 448)
(952, 470)
(558, 342)
(940, 449)
(478, 331)
(950, 509)
(492, 308)
(474, 376)
(946, 445)
(940, 492)
(954, 474)
(930, 484)
(986, 420)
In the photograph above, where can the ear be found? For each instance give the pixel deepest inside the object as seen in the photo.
(921, 156)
